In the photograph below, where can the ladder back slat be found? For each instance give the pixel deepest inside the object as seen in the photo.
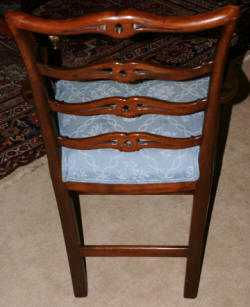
(128, 141)
(124, 72)
(128, 107)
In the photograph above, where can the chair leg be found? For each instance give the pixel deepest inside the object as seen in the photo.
(68, 206)
(202, 211)
(78, 216)
(197, 242)
(225, 117)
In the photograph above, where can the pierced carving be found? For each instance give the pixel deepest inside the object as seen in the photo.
(125, 108)
(124, 72)
(118, 28)
(128, 107)
(92, 28)
(138, 26)
(54, 41)
(134, 26)
(129, 141)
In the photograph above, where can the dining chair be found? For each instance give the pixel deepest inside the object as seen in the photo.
(128, 127)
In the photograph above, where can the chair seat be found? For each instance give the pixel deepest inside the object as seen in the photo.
(140, 167)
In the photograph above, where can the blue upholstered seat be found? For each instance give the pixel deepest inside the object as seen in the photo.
(139, 167)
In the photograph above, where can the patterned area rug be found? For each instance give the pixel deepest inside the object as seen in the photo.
(20, 138)
(166, 49)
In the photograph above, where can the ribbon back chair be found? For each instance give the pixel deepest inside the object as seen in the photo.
(128, 128)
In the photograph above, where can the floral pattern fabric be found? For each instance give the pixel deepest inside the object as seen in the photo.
(143, 166)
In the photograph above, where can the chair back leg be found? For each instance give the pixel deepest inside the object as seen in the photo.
(197, 240)
(69, 209)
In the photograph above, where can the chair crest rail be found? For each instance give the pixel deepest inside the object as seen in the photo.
(128, 141)
(124, 72)
(125, 23)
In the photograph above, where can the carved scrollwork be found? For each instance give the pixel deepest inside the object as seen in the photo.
(124, 72)
(128, 141)
(91, 28)
(138, 27)
(128, 107)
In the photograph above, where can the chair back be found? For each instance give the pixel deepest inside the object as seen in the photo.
(120, 25)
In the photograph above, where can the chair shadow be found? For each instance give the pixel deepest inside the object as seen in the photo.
(225, 118)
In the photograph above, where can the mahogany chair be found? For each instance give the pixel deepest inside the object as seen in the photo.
(128, 128)
(3, 27)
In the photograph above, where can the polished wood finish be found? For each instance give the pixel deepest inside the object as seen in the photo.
(128, 107)
(124, 72)
(132, 189)
(133, 251)
(230, 86)
(4, 29)
(124, 24)
(128, 141)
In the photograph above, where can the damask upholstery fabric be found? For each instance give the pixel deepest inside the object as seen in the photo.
(139, 167)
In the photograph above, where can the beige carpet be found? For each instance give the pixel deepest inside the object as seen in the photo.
(33, 263)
